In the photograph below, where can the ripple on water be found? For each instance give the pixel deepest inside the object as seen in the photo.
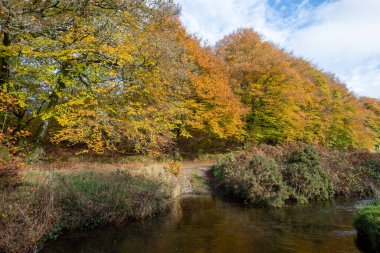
(350, 232)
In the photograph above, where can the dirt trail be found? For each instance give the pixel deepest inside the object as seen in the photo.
(194, 178)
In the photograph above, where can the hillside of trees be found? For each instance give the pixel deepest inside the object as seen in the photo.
(124, 76)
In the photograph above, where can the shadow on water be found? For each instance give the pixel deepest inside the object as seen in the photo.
(207, 224)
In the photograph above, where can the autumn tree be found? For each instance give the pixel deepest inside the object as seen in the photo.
(372, 107)
(124, 75)
(290, 99)
(60, 54)
(262, 76)
(170, 88)
(113, 75)
(211, 108)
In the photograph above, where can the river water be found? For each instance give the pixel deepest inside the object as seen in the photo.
(203, 224)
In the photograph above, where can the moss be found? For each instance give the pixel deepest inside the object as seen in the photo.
(367, 224)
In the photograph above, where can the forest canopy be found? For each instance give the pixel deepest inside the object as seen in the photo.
(125, 76)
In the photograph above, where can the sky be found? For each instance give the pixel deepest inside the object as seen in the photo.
(339, 36)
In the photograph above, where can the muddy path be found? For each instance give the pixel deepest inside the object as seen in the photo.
(195, 178)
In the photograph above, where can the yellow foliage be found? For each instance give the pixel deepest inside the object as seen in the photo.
(174, 167)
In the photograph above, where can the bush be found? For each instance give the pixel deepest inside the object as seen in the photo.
(287, 176)
(256, 180)
(174, 167)
(4, 153)
(353, 173)
(9, 173)
(307, 178)
(367, 224)
(101, 198)
(26, 217)
(52, 202)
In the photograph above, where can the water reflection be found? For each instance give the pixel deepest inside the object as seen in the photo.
(205, 224)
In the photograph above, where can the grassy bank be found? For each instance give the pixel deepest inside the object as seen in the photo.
(277, 175)
(46, 200)
(367, 224)
(40, 202)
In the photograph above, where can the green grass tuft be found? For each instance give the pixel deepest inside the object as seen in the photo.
(367, 224)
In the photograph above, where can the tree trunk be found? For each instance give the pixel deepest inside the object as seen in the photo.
(38, 150)
(4, 65)
(42, 131)
(177, 151)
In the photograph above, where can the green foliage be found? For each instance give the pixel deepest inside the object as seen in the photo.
(199, 184)
(367, 224)
(131, 82)
(74, 73)
(372, 164)
(352, 172)
(257, 180)
(276, 175)
(292, 100)
(4, 154)
(95, 197)
(305, 175)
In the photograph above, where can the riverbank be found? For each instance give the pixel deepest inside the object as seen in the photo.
(277, 175)
(49, 199)
(41, 201)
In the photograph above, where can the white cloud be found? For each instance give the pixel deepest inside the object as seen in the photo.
(365, 79)
(213, 19)
(342, 36)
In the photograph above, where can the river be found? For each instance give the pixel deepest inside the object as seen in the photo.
(206, 224)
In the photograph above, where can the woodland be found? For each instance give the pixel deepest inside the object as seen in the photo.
(112, 80)
(124, 76)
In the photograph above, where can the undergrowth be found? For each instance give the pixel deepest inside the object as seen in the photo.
(277, 175)
(48, 203)
(367, 224)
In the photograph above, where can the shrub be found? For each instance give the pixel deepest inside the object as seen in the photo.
(42, 208)
(257, 180)
(9, 173)
(307, 178)
(353, 173)
(174, 167)
(4, 153)
(26, 217)
(101, 198)
(367, 224)
(289, 175)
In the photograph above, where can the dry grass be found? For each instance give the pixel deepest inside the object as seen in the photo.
(63, 196)
(26, 218)
(10, 173)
